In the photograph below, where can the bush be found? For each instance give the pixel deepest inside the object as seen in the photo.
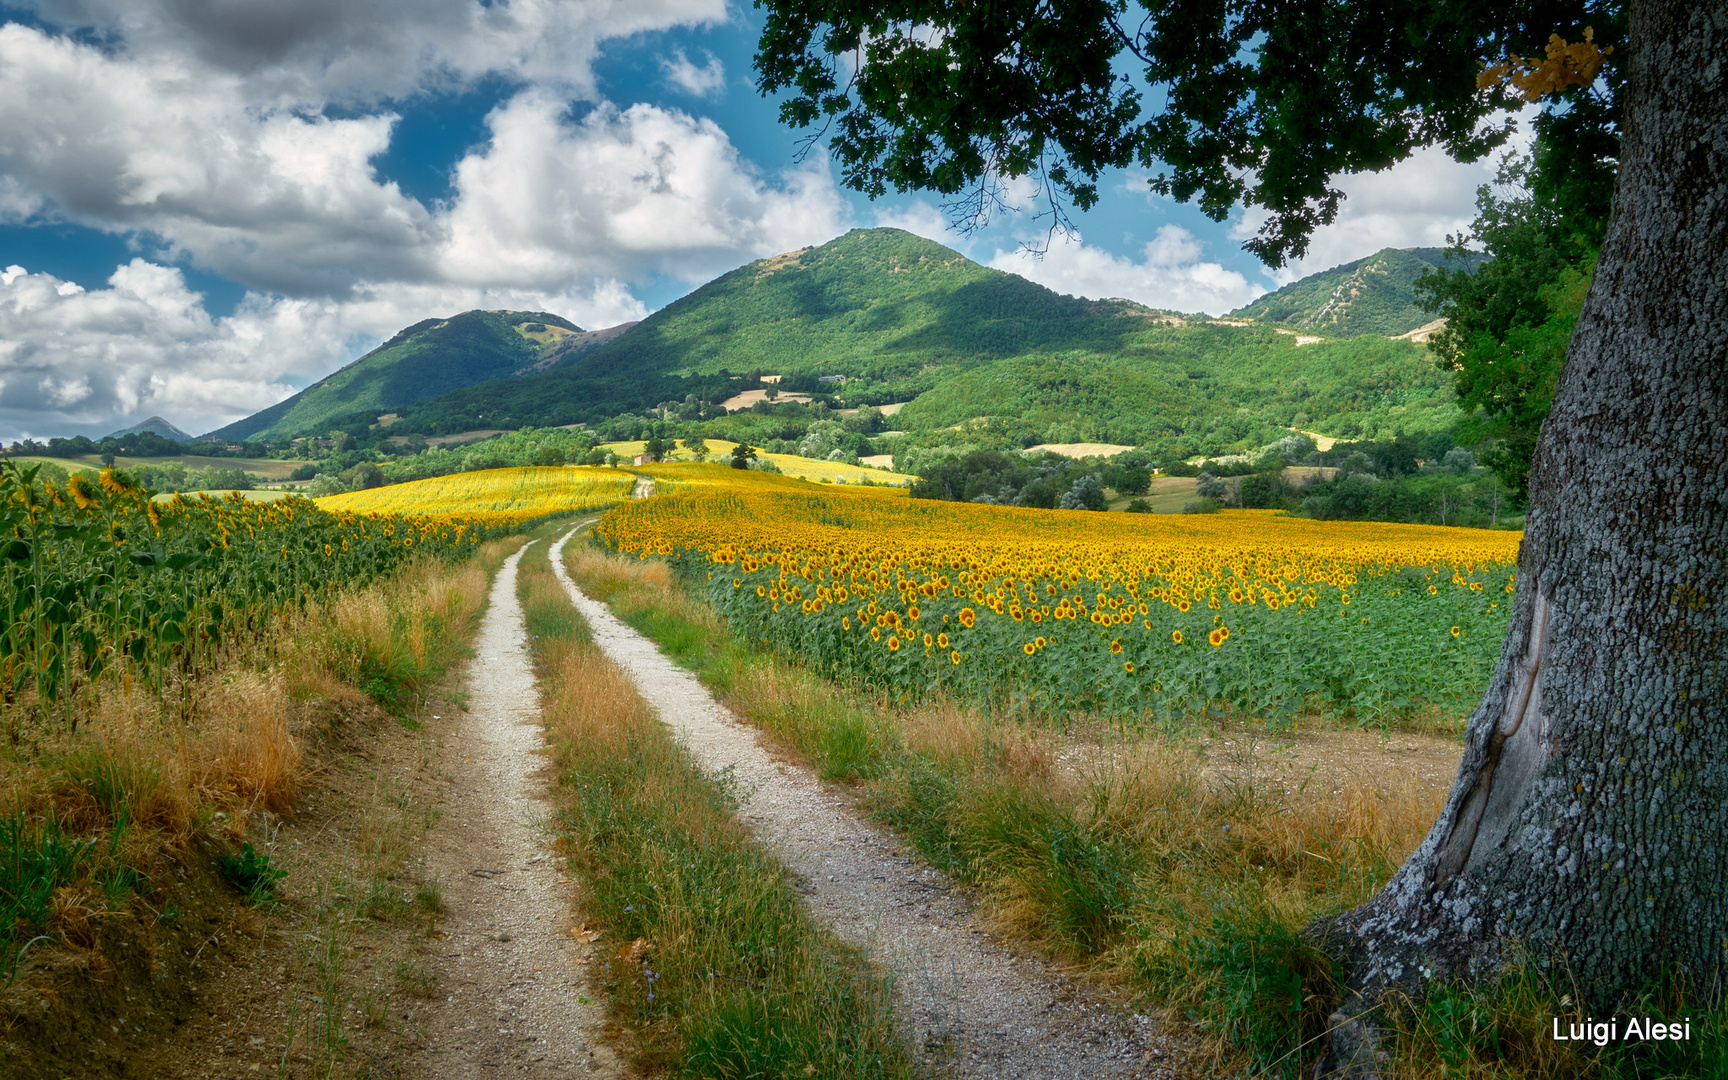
(1086, 494)
(250, 872)
(1128, 480)
(1139, 506)
(1202, 505)
(324, 484)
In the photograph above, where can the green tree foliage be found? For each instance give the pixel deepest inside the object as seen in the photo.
(1509, 324)
(1262, 103)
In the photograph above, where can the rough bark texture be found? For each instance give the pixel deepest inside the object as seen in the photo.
(1589, 821)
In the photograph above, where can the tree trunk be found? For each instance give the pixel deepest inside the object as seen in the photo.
(1589, 821)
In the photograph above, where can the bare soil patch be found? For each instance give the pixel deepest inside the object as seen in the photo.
(1081, 449)
(747, 398)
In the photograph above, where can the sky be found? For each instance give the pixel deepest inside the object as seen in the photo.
(206, 205)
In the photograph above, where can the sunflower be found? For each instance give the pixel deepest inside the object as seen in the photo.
(1028, 648)
(928, 641)
(845, 624)
(954, 656)
(1216, 637)
(1116, 646)
(1040, 642)
(1128, 666)
(79, 489)
(1456, 631)
(968, 617)
(1176, 636)
(1182, 605)
(893, 643)
(761, 590)
(942, 640)
(875, 633)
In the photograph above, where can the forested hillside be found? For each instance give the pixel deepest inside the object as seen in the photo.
(902, 319)
(432, 357)
(880, 316)
(1210, 384)
(1376, 295)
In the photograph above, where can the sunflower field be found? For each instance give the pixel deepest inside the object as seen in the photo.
(1127, 615)
(503, 496)
(98, 579)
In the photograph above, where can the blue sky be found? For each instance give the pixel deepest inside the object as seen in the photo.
(204, 207)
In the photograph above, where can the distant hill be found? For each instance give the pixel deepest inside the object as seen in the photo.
(155, 426)
(432, 357)
(891, 312)
(1375, 295)
(906, 319)
(880, 315)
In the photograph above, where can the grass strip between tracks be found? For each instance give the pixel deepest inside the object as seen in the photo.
(711, 967)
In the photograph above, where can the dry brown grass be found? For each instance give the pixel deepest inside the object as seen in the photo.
(142, 772)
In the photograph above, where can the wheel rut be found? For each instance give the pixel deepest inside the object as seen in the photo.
(971, 1007)
(509, 969)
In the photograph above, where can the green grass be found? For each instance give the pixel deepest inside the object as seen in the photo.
(712, 966)
(39, 857)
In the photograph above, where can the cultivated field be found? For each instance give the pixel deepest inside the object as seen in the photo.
(1125, 614)
(504, 496)
(720, 451)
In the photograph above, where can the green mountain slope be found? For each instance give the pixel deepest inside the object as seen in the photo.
(1209, 384)
(430, 358)
(905, 319)
(155, 426)
(892, 312)
(1375, 295)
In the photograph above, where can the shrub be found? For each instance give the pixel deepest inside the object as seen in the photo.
(250, 872)
(1086, 494)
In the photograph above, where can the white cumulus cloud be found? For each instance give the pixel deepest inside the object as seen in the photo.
(209, 133)
(919, 218)
(77, 360)
(619, 193)
(704, 81)
(1170, 273)
(1418, 202)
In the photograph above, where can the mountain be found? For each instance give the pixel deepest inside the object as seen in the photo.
(432, 357)
(1375, 295)
(904, 319)
(155, 426)
(891, 312)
